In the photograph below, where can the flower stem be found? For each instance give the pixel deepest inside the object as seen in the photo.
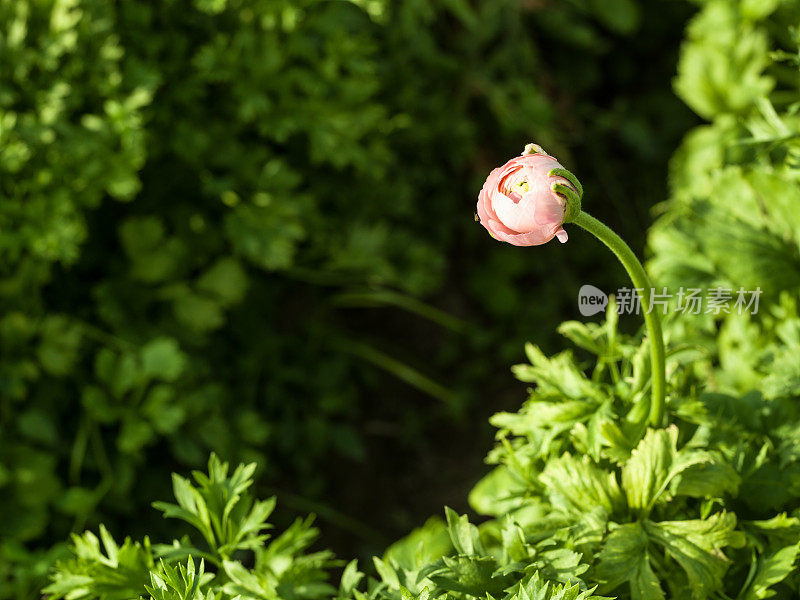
(651, 318)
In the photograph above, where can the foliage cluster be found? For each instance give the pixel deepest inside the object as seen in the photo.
(732, 221)
(193, 192)
(585, 498)
(228, 554)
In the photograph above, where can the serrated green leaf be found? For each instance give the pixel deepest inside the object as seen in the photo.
(624, 559)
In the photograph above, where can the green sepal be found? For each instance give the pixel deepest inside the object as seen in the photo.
(569, 176)
(573, 208)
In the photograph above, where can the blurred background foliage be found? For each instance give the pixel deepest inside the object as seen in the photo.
(732, 219)
(246, 226)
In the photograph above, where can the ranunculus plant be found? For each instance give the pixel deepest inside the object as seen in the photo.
(528, 200)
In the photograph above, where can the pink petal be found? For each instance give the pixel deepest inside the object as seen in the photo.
(532, 238)
(497, 228)
(549, 209)
(483, 213)
(518, 216)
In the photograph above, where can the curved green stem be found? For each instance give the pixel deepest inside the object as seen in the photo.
(651, 318)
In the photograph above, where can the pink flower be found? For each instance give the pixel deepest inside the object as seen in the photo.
(517, 203)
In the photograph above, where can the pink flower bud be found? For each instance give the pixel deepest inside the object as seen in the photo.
(517, 203)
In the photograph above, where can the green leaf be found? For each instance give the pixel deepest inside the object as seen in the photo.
(226, 280)
(386, 573)
(351, 577)
(653, 465)
(559, 376)
(497, 493)
(115, 572)
(245, 583)
(463, 534)
(537, 588)
(60, 343)
(622, 16)
(624, 558)
(162, 359)
(474, 576)
(770, 570)
(576, 485)
(422, 546)
(696, 545)
(581, 335)
(721, 63)
(706, 480)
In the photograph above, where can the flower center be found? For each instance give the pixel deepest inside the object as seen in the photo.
(516, 189)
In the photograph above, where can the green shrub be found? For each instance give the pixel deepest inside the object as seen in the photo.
(732, 218)
(228, 533)
(694, 510)
(585, 496)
